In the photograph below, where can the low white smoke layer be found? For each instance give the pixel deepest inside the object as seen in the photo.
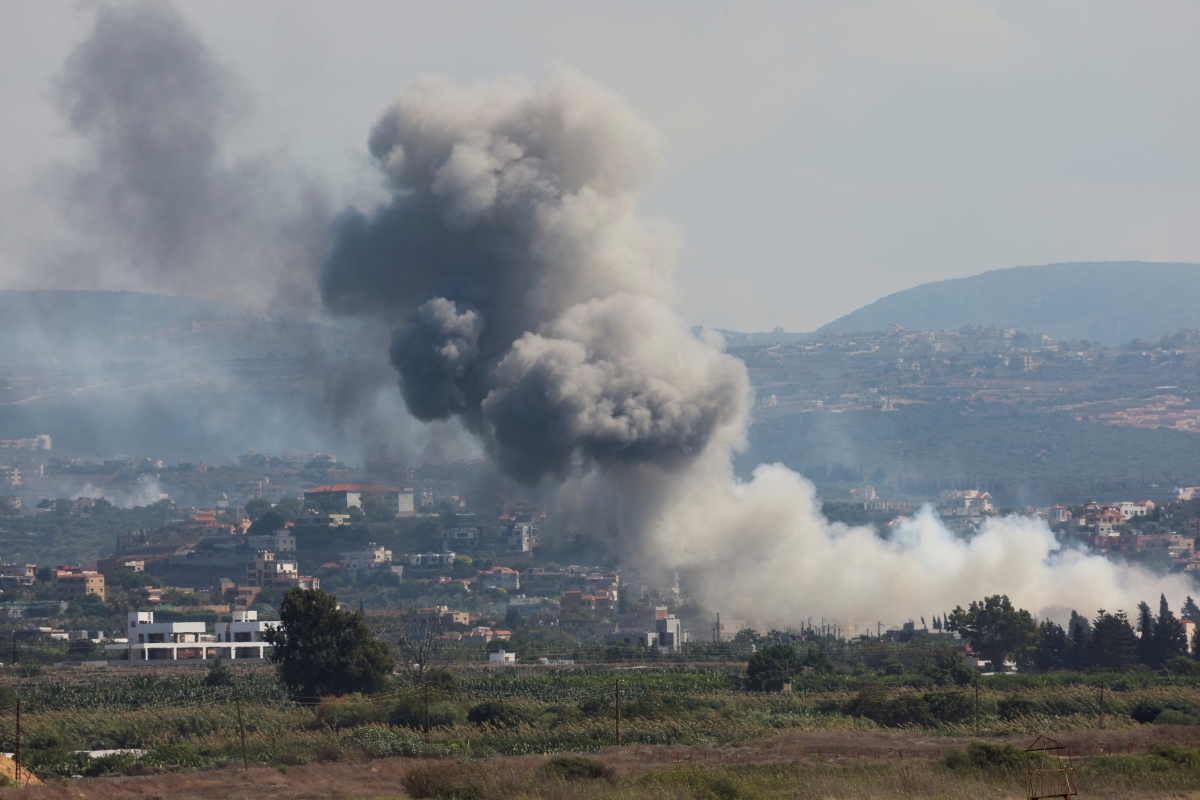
(533, 305)
(762, 551)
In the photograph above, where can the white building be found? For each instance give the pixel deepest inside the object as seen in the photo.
(374, 555)
(522, 538)
(445, 559)
(501, 657)
(964, 502)
(461, 538)
(265, 570)
(281, 541)
(500, 578)
(245, 634)
(1129, 509)
(239, 640)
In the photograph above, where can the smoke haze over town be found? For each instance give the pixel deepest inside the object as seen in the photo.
(487, 282)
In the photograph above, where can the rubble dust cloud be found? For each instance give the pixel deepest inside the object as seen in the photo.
(531, 302)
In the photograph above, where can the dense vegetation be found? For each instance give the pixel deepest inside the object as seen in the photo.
(182, 720)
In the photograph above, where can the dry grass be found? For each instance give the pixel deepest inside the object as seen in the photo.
(873, 764)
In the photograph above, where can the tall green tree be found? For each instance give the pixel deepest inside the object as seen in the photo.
(1170, 638)
(1080, 630)
(1053, 647)
(1145, 626)
(995, 628)
(320, 649)
(1114, 644)
(775, 664)
(1190, 610)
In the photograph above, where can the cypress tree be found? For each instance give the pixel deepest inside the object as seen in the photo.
(1190, 610)
(1081, 642)
(1170, 638)
(1114, 644)
(1145, 626)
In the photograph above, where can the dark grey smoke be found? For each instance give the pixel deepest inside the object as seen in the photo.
(156, 201)
(531, 301)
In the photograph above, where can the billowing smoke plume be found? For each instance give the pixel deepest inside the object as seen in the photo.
(156, 201)
(534, 301)
(531, 303)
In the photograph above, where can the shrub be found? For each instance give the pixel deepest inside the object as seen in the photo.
(1170, 716)
(1013, 708)
(597, 707)
(1146, 712)
(383, 742)
(577, 768)
(114, 764)
(218, 675)
(449, 781)
(58, 761)
(697, 782)
(952, 707)
(984, 755)
(893, 712)
(1182, 665)
(499, 714)
(442, 713)
(348, 712)
(174, 755)
(1176, 754)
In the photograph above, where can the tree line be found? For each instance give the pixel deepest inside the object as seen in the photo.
(999, 632)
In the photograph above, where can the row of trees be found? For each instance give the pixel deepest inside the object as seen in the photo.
(998, 632)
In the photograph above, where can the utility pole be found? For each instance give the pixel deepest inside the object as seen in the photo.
(17, 754)
(718, 631)
(618, 712)
(237, 696)
(1101, 705)
(426, 712)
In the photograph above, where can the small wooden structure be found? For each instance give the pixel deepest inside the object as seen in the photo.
(1051, 782)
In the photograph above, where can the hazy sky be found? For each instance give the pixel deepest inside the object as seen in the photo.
(815, 156)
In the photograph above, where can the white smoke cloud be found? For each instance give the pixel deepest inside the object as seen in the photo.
(763, 551)
(535, 306)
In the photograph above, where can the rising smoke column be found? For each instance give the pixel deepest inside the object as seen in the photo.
(155, 199)
(532, 304)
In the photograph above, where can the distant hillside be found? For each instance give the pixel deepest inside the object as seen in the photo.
(67, 314)
(1109, 302)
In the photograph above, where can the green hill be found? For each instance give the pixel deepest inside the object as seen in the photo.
(1109, 302)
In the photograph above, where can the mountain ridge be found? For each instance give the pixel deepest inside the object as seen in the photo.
(1105, 301)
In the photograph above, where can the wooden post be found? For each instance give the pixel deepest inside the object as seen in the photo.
(1101, 705)
(976, 705)
(237, 696)
(618, 692)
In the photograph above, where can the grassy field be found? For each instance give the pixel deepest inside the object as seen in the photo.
(684, 732)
